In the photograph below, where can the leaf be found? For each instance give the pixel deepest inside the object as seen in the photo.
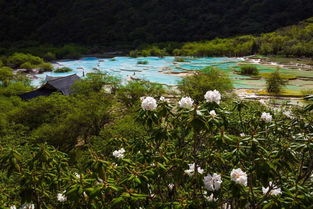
(117, 200)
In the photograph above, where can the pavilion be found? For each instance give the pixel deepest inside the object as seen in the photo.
(53, 84)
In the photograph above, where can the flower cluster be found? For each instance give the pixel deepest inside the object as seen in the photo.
(191, 170)
(267, 117)
(288, 114)
(213, 113)
(77, 175)
(119, 153)
(239, 177)
(213, 96)
(212, 183)
(61, 197)
(185, 102)
(273, 191)
(209, 198)
(28, 206)
(149, 103)
(262, 102)
(171, 186)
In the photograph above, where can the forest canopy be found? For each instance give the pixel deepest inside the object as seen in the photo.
(134, 22)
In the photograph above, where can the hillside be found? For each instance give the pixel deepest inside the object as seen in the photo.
(135, 21)
(295, 40)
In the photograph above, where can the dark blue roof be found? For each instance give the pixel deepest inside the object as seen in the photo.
(54, 84)
(36, 93)
(62, 84)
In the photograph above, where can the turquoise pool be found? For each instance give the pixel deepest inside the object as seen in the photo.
(157, 70)
(124, 67)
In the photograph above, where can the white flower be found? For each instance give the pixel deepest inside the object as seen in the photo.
(191, 169)
(267, 117)
(185, 102)
(213, 113)
(119, 153)
(274, 190)
(226, 206)
(212, 183)
(12, 207)
(152, 195)
(199, 113)
(242, 135)
(77, 175)
(213, 96)
(28, 206)
(149, 103)
(262, 101)
(288, 114)
(239, 177)
(61, 197)
(209, 198)
(171, 186)
(99, 181)
(162, 98)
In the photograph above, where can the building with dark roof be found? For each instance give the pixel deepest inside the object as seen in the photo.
(53, 84)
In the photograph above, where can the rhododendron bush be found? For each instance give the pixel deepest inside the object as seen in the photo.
(207, 154)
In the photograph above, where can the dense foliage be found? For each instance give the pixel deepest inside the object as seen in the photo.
(63, 70)
(275, 82)
(207, 79)
(117, 21)
(296, 40)
(125, 146)
(249, 70)
(26, 61)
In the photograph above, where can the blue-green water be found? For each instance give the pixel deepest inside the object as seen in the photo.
(155, 70)
(124, 67)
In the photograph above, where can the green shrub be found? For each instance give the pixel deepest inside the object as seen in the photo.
(142, 62)
(153, 158)
(15, 88)
(27, 65)
(6, 75)
(49, 56)
(17, 59)
(130, 93)
(95, 82)
(249, 70)
(145, 53)
(134, 53)
(275, 82)
(63, 70)
(201, 81)
(70, 51)
(156, 51)
(179, 59)
(45, 67)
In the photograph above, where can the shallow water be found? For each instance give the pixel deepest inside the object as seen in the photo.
(124, 67)
(150, 72)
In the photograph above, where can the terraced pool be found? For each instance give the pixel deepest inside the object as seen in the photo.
(168, 71)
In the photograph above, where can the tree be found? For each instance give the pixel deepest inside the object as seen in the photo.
(6, 75)
(198, 84)
(249, 70)
(275, 82)
(131, 93)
